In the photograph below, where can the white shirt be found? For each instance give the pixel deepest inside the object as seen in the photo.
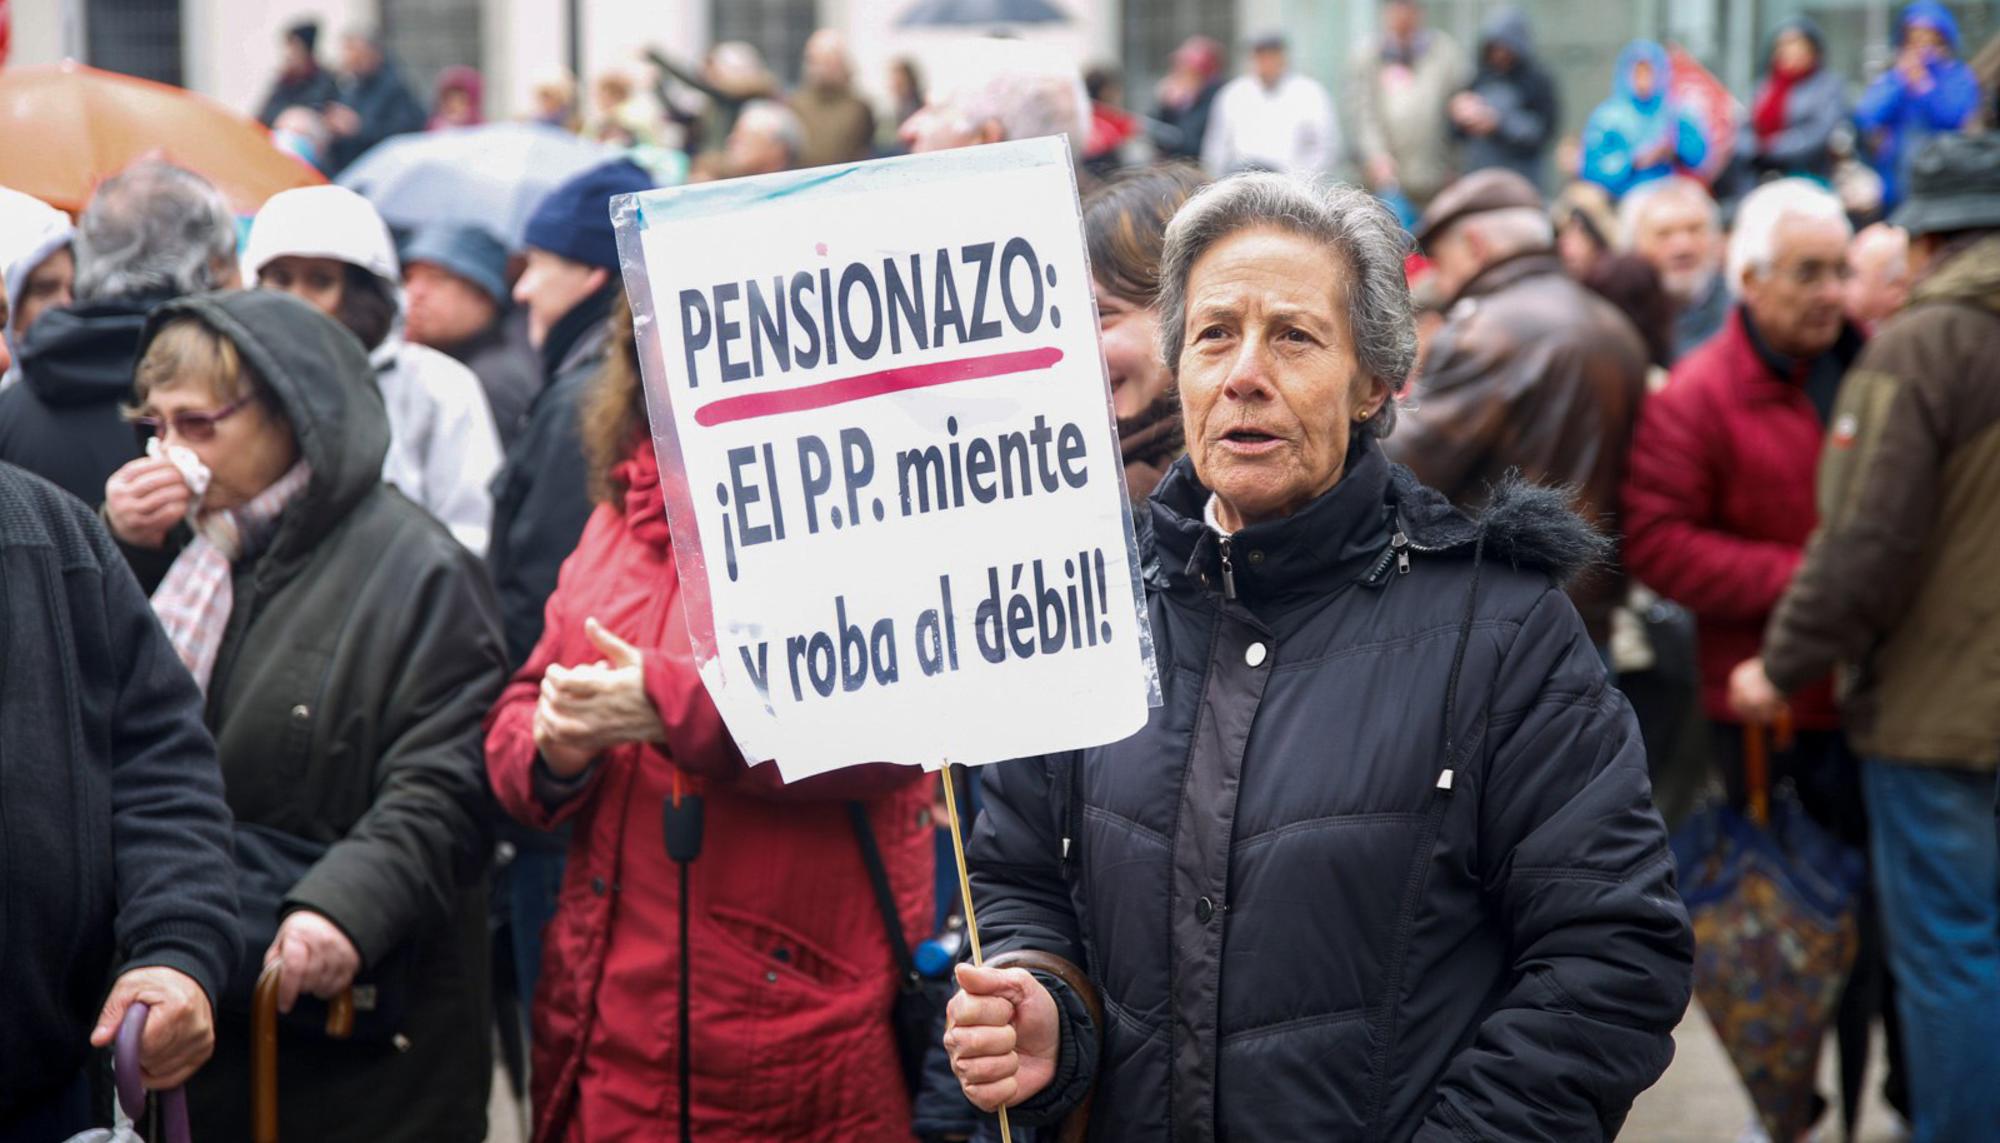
(1289, 127)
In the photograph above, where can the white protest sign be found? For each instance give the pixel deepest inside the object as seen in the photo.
(890, 462)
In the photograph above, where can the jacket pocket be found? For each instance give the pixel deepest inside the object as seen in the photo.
(1388, 1009)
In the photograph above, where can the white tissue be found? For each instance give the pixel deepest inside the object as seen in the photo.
(192, 470)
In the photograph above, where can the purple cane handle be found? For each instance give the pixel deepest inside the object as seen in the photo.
(132, 1087)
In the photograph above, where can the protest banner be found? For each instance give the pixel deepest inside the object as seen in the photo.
(890, 461)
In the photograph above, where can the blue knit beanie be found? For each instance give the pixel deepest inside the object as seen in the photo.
(574, 221)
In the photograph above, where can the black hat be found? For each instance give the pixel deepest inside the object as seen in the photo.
(1954, 185)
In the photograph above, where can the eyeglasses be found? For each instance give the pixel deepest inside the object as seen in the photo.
(1810, 274)
(193, 426)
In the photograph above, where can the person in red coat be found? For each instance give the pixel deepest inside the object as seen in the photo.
(789, 974)
(1719, 491)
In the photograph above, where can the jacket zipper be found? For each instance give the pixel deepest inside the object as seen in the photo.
(1228, 571)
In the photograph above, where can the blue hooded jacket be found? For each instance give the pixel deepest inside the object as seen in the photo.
(1624, 127)
(1903, 118)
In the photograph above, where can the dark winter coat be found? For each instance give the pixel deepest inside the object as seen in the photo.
(501, 358)
(62, 421)
(312, 90)
(1719, 502)
(361, 654)
(1536, 374)
(114, 840)
(541, 499)
(1898, 585)
(384, 104)
(1385, 864)
(1523, 96)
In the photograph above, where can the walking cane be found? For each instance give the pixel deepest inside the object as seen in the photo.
(264, 1047)
(171, 1104)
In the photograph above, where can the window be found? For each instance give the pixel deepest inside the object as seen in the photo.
(137, 37)
(777, 28)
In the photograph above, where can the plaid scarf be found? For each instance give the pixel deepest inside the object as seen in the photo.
(194, 601)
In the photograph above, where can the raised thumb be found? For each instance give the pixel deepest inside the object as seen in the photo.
(617, 651)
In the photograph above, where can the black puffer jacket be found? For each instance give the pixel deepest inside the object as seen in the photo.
(62, 421)
(1384, 865)
(362, 652)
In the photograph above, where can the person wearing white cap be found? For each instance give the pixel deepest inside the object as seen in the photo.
(328, 246)
(38, 267)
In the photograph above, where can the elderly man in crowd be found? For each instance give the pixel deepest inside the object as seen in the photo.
(455, 298)
(837, 125)
(1010, 92)
(1897, 587)
(1272, 119)
(1719, 496)
(1878, 264)
(372, 101)
(38, 268)
(1675, 224)
(1400, 87)
(150, 233)
(1392, 820)
(767, 138)
(1531, 371)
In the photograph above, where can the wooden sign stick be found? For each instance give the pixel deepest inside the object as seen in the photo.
(965, 894)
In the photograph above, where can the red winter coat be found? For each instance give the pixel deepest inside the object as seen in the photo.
(792, 980)
(1719, 504)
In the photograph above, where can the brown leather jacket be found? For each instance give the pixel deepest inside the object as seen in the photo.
(1530, 371)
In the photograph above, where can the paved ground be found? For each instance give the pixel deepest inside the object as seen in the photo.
(1697, 1101)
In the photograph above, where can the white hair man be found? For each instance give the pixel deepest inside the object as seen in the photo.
(1007, 90)
(766, 139)
(1675, 224)
(1719, 497)
(1879, 259)
(150, 233)
(1530, 372)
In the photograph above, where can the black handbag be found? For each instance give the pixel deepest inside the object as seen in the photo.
(269, 863)
(918, 1015)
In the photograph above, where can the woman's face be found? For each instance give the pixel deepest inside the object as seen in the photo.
(1578, 250)
(1793, 53)
(1130, 335)
(319, 282)
(1268, 377)
(1642, 80)
(249, 450)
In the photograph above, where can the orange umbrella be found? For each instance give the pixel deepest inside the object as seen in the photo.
(70, 127)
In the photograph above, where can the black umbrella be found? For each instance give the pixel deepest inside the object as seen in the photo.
(939, 13)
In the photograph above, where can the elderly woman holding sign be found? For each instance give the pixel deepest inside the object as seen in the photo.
(718, 953)
(1385, 864)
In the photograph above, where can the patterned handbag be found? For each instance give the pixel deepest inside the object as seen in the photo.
(1773, 899)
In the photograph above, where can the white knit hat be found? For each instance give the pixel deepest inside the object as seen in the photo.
(322, 222)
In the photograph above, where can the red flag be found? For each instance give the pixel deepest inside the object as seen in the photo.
(1715, 110)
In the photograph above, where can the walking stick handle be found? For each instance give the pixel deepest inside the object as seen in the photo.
(264, 1046)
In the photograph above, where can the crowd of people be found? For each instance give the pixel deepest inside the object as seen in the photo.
(1480, 498)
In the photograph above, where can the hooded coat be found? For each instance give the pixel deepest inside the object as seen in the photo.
(443, 446)
(1624, 128)
(789, 971)
(1385, 863)
(1523, 96)
(1900, 118)
(361, 653)
(1816, 106)
(30, 231)
(63, 421)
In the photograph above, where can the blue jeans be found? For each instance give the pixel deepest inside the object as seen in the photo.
(1937, 873)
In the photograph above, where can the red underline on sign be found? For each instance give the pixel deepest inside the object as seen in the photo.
(898, 380)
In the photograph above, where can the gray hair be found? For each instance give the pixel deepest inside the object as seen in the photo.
(153, 228)
(769, 117)
(1753, 241)
(1633, 207)
(1347, 220)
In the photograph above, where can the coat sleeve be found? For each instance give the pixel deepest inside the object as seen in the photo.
(1369, 141)
(170, 828)
(1952, 99)
(545, 522)
(1880, 102)
(1878, 500)
(426, 831)
(463, 457)
(1023, 902)
(1671, 542)
(1527, 126)
(1576, 866)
